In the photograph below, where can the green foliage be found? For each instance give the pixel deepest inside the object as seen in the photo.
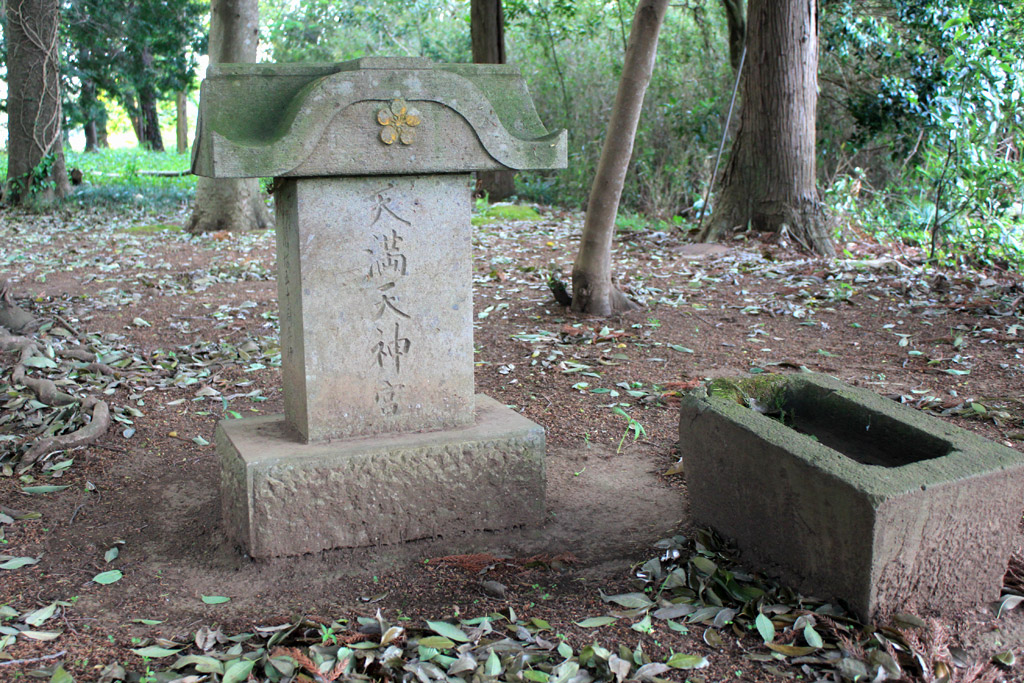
(500, 213)
(133, 51)
(571, 55)
(35, 182)
(330, 31)
(111, 177)
(932, 95)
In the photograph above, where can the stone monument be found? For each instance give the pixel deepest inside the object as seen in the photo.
(383, 438)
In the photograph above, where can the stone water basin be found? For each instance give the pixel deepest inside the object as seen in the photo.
(843, 493)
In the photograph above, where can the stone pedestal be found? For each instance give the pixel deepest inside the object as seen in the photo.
(284, 497)
(382, 439)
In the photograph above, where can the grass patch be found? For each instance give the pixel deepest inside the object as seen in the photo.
(154, 228)
(111, 177)
(498, 213)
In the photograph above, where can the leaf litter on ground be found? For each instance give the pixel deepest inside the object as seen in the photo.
(696, 582)
(809, 288)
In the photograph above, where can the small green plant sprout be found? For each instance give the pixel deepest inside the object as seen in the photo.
(632, 425)
(327, 635)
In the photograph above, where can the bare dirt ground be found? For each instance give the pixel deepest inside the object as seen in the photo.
(188, 328)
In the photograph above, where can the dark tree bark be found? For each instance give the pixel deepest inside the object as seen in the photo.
(737, 22)
(91, 141)
(35, 168)
(769, 182)
(149, 119)
(487, 32)
(150, 122)
(592, 289)
(230, 203)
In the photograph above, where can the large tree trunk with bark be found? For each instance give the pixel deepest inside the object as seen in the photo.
(592, 289)
(91, 141)
(230, 203)
(769, 183)
(487, 33)
(101, 128)
(35, 168)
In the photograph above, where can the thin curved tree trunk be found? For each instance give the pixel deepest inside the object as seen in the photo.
(36, 171)
(736, 20)
(769, 182)
(592, 289)
(230, 203)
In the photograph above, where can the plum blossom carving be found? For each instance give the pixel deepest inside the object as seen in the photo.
(398, 121)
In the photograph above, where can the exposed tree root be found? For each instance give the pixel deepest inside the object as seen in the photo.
(12, 316)
(90, 358)
(598, 296)
(46, 390)
(96, 428)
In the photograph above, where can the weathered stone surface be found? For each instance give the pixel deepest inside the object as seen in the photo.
(283, 497)
(924, 520)
(374, 286)
(259, 120)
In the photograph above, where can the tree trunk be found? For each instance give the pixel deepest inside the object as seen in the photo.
(592, 289)
(101, 128)
(95, 125)
(132, 109)
(35, 166)
(88, 102)
(181, 102)
(91, 141)
(487, 33)
(769, 182)
(150, 121)
(737, 23)
(230, 203)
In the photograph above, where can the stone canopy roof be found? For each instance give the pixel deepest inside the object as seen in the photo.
(371, 116)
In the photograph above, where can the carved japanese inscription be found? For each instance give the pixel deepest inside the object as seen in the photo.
(389, 265)
(377, 331)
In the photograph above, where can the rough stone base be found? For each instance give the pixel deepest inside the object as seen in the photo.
(283, 497)
(925, 520)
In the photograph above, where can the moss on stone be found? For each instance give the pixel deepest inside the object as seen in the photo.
(766, 389)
